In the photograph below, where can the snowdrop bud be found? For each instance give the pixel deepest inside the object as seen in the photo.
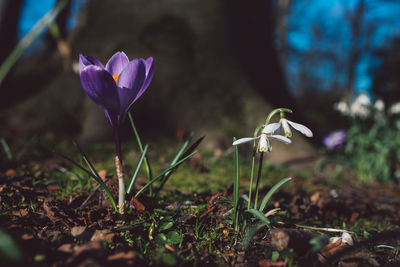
(362, 99)
(395, 108)
(342, 107)
(379, 105)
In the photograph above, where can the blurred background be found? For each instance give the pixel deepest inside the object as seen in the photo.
(220, 66)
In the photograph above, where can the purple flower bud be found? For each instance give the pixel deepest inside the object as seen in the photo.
(335, 139)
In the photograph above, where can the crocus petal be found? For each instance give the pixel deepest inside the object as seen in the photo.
(301, 128)
(286, 128)
(101, 88)
(244, 140)
(281, 138)
(270, 128)
(130, 83)
(88, 61)
(117, 63)
(149, 76)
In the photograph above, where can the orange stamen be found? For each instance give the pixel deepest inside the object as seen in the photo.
(115, 77)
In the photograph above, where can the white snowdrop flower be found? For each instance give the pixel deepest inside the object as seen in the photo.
(379, 105)
(264, 145)
(285, 124)
(342, 107)
(360, 107)
(362, 99)
(395, 108)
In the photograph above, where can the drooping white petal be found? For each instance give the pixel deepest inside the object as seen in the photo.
(263, 145)
(281, 138)
(270, 128)
(286, 128)
(301, 128)
(244, 140)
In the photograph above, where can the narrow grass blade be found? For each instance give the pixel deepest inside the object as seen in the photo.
(245, 198)
(6, 149)
(178, 155)
(136, 172)
(92, 174)
(259, 215)
(271, 192)
(193, 147)
(260, 164)
(27, 40)
(236, 184)
(249, 234)
(146, 160)
(158, 177)
(26, 147)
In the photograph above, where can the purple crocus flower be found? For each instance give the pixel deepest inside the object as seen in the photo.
(115, 87)
(335, 139)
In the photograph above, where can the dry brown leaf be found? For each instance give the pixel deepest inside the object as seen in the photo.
(269, 263)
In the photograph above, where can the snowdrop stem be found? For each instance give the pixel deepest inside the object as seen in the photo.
(253, 160)
(258, 179)
(272, 113)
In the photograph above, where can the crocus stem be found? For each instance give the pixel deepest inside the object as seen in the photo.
(258, 179)
(120, 172)
(121, 185)
(146, 161)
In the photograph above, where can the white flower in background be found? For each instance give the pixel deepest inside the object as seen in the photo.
(283, 125)
(346, 238)
(395, 108)
(342, 107)
(360, 106)
(379, 105)
(264, 145)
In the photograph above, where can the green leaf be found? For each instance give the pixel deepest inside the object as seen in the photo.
(165, 226)
(162, 174)
(259, 215)
(6, 149)
(8, 248)
(92, 174)
(177, 156)
(249, 234)
(236, 185)
(137, 169)
(173, 237)
(318, 243)
(169, 260)
(275, 255)
(27, 40)
(271, 192)
(146, 160)
(161, 239)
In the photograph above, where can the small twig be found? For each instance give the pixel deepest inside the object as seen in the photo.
(324, 229)
(91, 195)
